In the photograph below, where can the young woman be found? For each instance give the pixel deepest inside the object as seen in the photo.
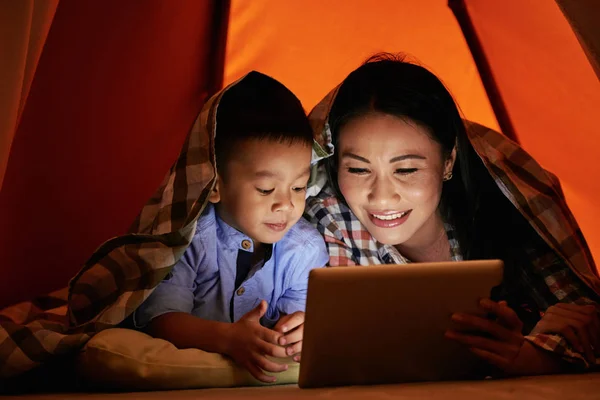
(405, 180)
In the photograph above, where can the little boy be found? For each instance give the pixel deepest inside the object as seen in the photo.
(251, 243)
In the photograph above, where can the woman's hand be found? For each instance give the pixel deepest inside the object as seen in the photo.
(578, 324)
(292, 326)
(497, 341)
(501, 343)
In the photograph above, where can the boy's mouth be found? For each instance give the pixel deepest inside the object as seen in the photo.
(277, 227)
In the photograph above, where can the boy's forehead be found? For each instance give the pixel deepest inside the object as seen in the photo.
(265, 158)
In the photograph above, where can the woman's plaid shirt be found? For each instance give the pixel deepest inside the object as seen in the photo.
(349, 243)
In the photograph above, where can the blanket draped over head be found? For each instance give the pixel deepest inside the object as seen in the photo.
(533, 191)
(123, 272)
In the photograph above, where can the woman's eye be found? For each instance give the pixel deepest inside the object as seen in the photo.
(358, 171)
(299, 189)
(406, 171)
(265, 192)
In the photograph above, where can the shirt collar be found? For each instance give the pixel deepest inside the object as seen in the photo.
(234, 239)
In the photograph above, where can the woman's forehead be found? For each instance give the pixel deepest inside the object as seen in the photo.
(385, 132)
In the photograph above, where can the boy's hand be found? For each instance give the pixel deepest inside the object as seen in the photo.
(292, 326)
(250, 343)
(578, 324)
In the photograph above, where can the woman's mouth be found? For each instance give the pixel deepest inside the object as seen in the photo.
(389, 219)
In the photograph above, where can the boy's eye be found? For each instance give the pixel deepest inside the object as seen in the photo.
(358, 171)
(406, 171)
(299, 189)
(265, 192)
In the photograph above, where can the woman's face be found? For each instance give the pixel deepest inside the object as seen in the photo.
(391, 173)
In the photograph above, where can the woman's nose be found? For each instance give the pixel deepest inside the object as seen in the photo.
(383, 193)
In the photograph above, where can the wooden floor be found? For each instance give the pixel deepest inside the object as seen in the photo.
(557, 387)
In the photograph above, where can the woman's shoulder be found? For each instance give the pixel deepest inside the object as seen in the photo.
(326, 206)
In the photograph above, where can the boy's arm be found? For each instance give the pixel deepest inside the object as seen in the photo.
(313, 254)
(245, 341)
(176, 293)
(187, 331)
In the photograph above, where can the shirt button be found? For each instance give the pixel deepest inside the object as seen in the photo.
(246, 244)
(241, 291)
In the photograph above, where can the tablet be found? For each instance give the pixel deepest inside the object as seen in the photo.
(385, 323)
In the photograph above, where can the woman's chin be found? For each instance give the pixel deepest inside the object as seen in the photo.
(389, 236)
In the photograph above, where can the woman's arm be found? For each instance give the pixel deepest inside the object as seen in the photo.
(569, 327)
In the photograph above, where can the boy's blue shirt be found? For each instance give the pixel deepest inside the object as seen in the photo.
(202, 283)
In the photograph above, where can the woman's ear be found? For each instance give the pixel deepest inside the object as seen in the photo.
(215, 195)
(449, 163)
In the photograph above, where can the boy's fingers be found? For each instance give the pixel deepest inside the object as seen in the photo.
(294, 320)
(259, 374)
(296, 348)
(269, 335)
(257, 313)
(271, 349)
(292, 337)
(280, 323)
(269, 365)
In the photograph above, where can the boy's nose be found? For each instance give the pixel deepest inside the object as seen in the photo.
(283, 203)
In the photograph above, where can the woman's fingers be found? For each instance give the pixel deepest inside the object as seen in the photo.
(492, 358)
(564, 329)
(506, 350)
(473, 322)
(506, 315)
(586, 314)
(586, 309)
(580, 322)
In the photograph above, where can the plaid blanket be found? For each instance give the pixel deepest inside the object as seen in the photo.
(534, 192)
(122, 273)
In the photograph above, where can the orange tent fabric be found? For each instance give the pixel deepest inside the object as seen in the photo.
(116, 90)
(117, 87)
(546, 85)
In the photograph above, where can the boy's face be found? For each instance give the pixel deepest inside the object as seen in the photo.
(263, 189)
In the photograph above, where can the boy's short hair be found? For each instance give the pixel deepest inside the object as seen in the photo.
(258, 107)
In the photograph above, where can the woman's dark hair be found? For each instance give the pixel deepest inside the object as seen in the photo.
(258, 107)
(487, 224)
(388, 84)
